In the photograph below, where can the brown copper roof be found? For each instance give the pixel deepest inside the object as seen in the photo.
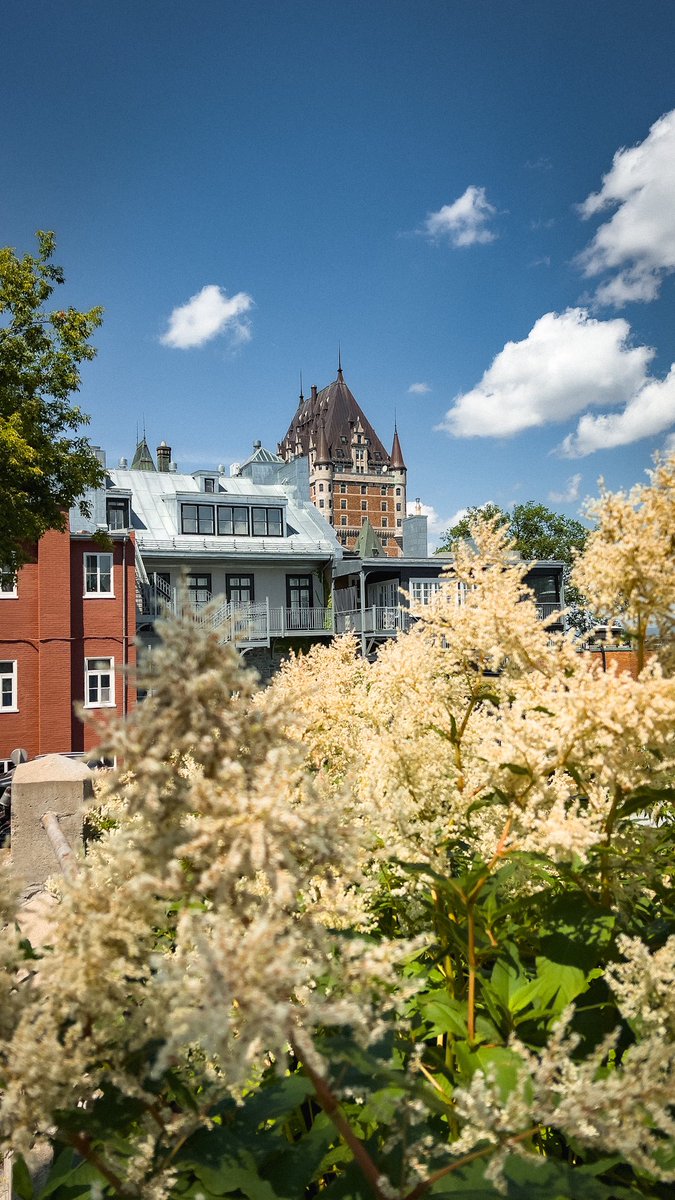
(397, 462)
(336, 410)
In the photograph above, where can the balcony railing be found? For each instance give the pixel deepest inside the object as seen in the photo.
(285, 622)
(389, 619)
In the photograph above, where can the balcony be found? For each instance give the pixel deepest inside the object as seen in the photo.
(383, 621)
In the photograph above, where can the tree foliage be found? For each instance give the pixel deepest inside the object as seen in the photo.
(382, 930)
(537, 531)
(44, 467)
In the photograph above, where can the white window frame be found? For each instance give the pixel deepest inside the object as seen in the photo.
(13, 674)
(94, 673)
(422, 590)
(8, 578)
(97, 592)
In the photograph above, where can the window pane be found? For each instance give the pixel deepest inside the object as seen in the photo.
(205, 518)
(274, 522)
(189, 513)
(225, 524)
(259, 522)
(241, 521)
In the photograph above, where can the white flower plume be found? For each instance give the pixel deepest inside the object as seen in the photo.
(418, 389)
(206, 315)
(637, 244)
(464, 222)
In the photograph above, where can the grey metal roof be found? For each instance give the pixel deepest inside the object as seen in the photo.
(155, 497)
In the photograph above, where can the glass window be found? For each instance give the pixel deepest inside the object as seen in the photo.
(422, 590)
(364, 489)
(343, 504)
(320, 503)
(8, 686)
(343, 520)
(364, 506)
(383, 490)
(233, 520)
(239, 588)
(117, 513)
(209, 485)
(99, 683)
(267, 522)
(197, 518)
(199, 588)
(398, 507)
(320, 487)
(8, 589)
(398, 491)
(299, 591)
(98, 575)
(343, 487)
(384, 522)
(383, 506)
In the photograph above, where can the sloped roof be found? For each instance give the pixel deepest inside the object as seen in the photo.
(143, 460)
(260, 455)
(336, 408)
(156, 517)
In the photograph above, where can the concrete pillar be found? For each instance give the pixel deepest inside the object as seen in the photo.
(50, 784)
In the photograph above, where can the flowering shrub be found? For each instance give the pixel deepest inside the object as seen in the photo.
(381, 930)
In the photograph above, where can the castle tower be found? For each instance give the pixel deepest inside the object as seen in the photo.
(352, 478)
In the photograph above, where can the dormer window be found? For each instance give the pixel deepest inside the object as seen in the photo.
(209, 484)
(117, 513)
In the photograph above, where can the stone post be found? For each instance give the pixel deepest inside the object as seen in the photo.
(53, 784)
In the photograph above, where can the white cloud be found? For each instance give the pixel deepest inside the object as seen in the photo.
(464, 222)
(205, 316)
(649, 412)
(669, 444)
(419, 389)
(571, 492)
(567, 363)
(637, 244)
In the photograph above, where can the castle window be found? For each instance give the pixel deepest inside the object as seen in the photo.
(8, 586)
(398, 507)
(343, 520)
(320, 487)
(383, 489)
(364, 506)
(343, 504)
(383, 506)
(364, 489)
(343, 487)
(384, 522)
(398, 491)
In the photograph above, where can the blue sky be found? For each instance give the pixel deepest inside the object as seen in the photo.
(437, 186)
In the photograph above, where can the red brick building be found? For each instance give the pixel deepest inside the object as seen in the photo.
(67, 636)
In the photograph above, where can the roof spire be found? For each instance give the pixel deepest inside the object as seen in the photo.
(396, 457)
(301, 395)
(339, 362)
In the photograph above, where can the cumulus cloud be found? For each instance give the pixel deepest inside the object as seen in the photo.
(571, 492)
(637, 244)
(465, 221)
(567, 363)
(649, 412)
(419, 389)
(206, 315)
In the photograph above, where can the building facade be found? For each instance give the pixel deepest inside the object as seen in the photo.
(67, 642)
(352, 478)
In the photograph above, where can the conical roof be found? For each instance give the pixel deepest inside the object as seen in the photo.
(143, 460)
(367, 543)
(396, 461)
(336, 408)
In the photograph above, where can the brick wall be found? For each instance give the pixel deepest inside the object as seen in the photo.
(49, 630)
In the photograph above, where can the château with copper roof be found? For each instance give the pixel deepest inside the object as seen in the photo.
(352, 477)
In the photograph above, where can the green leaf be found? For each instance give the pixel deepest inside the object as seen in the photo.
(443, 1013)
(22, 1183)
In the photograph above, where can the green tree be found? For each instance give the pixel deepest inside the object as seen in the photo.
(44, 465)
(538, 532)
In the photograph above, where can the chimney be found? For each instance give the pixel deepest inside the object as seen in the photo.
(415, 544)
(99, 455)
(163, 457)
(313, 391)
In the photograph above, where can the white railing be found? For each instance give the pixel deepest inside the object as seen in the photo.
(288, 621)
(384, 619)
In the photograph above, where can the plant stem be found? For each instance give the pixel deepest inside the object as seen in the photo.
(425, 1184)
(81, 1143)
(331, 1106)
(471, 999)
